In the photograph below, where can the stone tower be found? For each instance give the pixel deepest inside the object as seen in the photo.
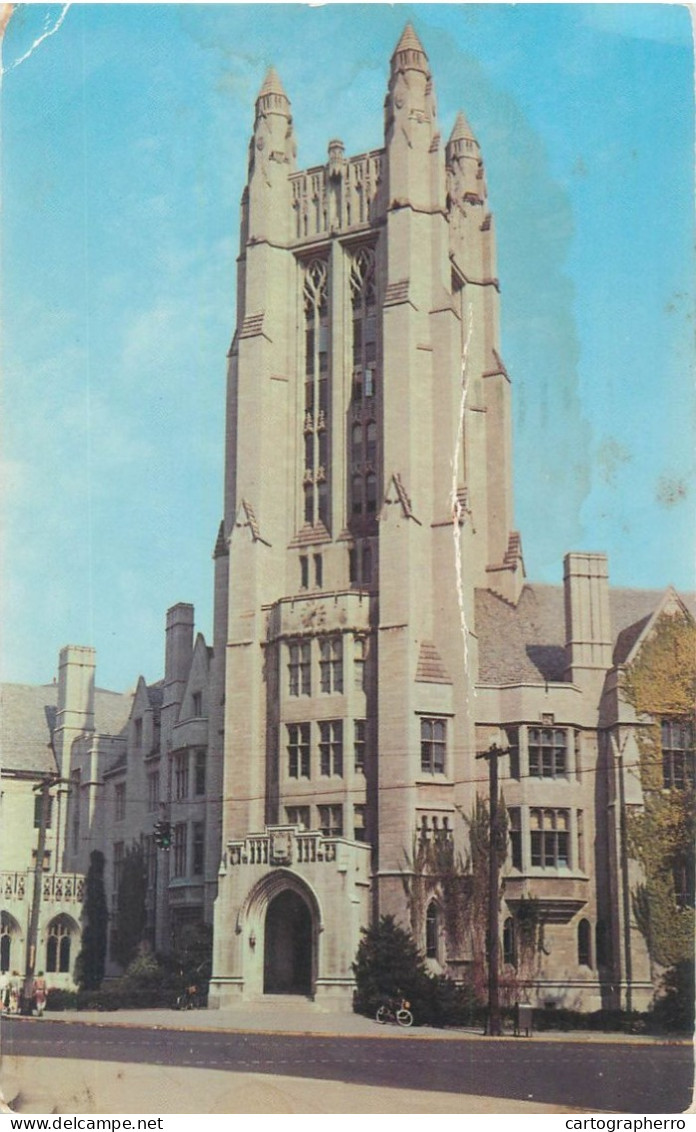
(367, 492)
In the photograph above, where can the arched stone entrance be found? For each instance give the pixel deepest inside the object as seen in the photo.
(288, 945)
(278, 933)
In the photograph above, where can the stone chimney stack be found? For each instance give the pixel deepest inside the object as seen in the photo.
(75, 710)
(587, 617)
(178, 647)
(76, 667)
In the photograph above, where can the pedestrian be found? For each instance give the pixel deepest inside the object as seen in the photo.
(40, 993)
(4, 991)
(15, 988)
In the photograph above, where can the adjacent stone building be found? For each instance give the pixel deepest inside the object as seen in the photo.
(40, 730)
(374, 629)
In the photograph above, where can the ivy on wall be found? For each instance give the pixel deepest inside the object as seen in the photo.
(435, 871)
(661, 684)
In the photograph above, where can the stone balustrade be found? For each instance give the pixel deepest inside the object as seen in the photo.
(282, 845)
(57, 888)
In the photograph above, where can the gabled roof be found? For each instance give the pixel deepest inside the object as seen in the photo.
(523, 643)
(631, 639)
(28, 717)
(526, 643)
(111, 711)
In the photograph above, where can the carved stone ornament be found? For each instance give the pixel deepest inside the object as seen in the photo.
(281, 847)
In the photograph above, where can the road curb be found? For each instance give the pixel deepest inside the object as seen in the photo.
(409, 1035)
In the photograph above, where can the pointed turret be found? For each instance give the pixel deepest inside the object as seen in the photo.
(272, 85)
(409, 53)
(271, 158)
(273, 101)
(465, 174)
(461, 131)
(411, 132)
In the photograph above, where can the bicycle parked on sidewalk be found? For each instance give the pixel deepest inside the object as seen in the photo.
(190, 999)
(395, 1010)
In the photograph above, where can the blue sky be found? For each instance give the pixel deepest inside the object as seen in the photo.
(124, 156)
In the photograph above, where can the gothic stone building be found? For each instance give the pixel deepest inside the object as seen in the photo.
(371, 601)
(373, 625)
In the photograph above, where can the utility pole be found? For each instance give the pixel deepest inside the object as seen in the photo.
(492, 755)
(44, 791)
(625, 878)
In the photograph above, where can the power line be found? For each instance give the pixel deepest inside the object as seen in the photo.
(286, 788)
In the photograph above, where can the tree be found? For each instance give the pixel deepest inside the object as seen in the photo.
(131, 914)
(674, 1009)
(95, 919)
(660, 685)
(388, 964)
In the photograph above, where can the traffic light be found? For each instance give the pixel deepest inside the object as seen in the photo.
(163, 835)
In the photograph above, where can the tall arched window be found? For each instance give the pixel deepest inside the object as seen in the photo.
(584, 944)
(356, 451)
(366, 564)
(370, 494)
(317, 377)
(357, 495)
(58, 945)
(371, 448)
(9, 929)
(432, 930)
(364, 435)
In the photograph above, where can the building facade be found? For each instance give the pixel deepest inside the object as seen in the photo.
(374, 630)
(377, 625)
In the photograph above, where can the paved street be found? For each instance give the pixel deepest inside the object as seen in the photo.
(610, 1076)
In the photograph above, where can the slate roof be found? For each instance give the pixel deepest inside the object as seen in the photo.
(28, 716)
(526, 643)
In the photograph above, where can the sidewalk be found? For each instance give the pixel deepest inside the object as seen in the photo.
(303, 1017)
